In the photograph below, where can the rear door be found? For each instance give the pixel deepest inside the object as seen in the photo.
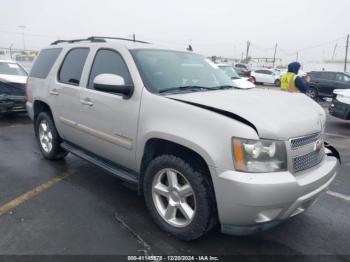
(65, 91)
(109, 120)
(259, 76)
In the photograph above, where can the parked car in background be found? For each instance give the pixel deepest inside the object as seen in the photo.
(265, 76)
(340, 106)
(13, 78)
(243, 69)
(323, 83)
(239, 82)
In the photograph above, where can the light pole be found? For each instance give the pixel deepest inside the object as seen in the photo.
(23, 27)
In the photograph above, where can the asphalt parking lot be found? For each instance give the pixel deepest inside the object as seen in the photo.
(73, 207)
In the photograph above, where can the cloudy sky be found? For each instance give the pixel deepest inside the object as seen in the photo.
(220, 27)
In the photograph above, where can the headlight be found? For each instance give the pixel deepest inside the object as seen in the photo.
(259, 156)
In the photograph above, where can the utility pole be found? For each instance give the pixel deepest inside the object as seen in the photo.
(335, 49)
(22, 27)
(297, 58)
(133, 37)
(247, 53)
(346, 52)
(11, 51)
(274, 56)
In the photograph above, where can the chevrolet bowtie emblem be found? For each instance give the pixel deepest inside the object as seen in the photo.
(318, 145)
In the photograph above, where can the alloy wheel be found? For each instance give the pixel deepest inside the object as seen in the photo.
(45, 136)
(173, 197)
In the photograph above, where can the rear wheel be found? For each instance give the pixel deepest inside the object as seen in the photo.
(48, 139)
(312, 93)
(180, 199)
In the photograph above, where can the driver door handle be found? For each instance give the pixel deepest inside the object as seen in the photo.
(87, 102)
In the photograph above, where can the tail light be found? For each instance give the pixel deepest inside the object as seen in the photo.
(250, 79)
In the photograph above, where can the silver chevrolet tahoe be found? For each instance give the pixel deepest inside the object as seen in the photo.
(200, 151)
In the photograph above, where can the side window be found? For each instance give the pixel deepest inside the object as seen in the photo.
(44, 62)
(266, 72)
(328, 76)
(72, 66)
(259, 71)
(108, 62)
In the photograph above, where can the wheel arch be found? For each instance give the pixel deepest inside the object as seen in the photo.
(41, 106)
(154, 147)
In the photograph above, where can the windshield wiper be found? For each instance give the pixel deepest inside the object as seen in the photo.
(182, 88)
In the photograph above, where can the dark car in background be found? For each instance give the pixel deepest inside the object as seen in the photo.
(242, 69)
(13, 78)
(323, 83)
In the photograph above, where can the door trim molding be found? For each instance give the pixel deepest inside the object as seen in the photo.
(114, 139)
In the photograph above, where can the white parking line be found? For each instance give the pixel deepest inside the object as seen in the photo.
(339, 195)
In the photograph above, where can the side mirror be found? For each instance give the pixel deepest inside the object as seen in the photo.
(111, 83)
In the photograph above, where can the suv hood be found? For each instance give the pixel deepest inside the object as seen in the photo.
(13, 79)
(275, 114)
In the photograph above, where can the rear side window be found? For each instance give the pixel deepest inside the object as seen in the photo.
(72, 66)
(108, 62)
(44, 62)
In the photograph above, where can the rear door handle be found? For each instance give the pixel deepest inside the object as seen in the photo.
(86, 102)
(54, 92)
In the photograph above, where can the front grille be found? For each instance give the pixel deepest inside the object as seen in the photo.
(305, 140)
(14, 89)
(307, 161)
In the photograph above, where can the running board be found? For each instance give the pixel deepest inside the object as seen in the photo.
(112, 168)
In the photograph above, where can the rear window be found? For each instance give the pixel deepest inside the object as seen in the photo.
(44, 62)
(72, 66)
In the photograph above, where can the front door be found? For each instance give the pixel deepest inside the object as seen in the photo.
(109, 120)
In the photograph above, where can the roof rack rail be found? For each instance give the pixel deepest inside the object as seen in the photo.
(91, 39)
(119, 38)
(97, 39)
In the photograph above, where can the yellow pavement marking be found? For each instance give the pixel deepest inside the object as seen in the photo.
(32, 193)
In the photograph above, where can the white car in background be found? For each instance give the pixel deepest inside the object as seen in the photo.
(238, 82)
(265, 76)
(340, 106)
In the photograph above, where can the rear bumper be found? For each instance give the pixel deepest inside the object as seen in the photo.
(10, 104)
(248, 203)
(339, 109)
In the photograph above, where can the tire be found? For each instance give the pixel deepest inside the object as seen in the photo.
(312, 93)
(49, 141)
(254, 80)
(278, 83)
(202, 201)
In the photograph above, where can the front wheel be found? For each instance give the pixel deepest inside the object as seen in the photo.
(48, 139)
(180, 199)
(278, 83)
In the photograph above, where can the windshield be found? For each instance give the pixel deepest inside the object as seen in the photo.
(11, 69)
(230, 72)
(163, 71)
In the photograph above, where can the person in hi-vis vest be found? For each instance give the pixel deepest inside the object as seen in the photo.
(290, 81)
